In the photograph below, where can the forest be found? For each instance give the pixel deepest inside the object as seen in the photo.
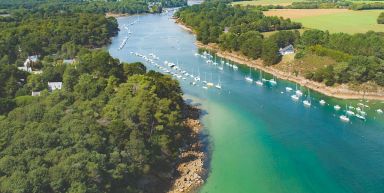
(42, 33)
(89, 6)
(359, 57)
(112, 127)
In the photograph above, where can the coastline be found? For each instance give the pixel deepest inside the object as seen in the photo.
(116, 15)
(190, 170)
(341, 91)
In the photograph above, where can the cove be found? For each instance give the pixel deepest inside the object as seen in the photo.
(260, 140)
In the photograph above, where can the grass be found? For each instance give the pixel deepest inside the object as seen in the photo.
(267, 2)
(347, 22)
(309, 63)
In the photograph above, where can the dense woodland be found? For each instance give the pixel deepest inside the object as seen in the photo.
(42, 33)
(359, 57)
(89, 6)
(113, 127)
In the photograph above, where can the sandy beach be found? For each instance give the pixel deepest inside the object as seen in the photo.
(340, 91)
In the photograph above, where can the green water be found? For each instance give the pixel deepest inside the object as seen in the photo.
(259, 139)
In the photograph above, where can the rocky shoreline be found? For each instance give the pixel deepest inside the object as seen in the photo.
(190, 168)
(340, 91)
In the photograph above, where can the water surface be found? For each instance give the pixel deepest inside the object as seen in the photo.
(261, 140)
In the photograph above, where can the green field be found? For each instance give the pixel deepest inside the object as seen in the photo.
(348, 22)
(266, 2)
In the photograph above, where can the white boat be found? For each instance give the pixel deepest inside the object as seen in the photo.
(307, 102)
(298, 92)
(205, 78)
(322, 102)
(379, 111)
(273, 81)
(218, 85)
(248, 78)
(197, 54)
(295, 97)
(210, 84)
(260, 82)
(349, 112)
(235, 67)
(205, 87)
(337, 107)
(221, 68)
(362, 117)
(288, 89)
(344, 118)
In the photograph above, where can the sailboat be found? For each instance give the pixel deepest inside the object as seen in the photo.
(322, 102)
(337, 107)
(210, 84)
(235, 67)
(197, 78)
(349, 112)
(221, 67)
(205, 78)
(249, 77)
(307, 102)
(298, 92)
(288, 89)
(260, 82)
(294, 97)
(218, 85)
(344, 118)
(273, 81)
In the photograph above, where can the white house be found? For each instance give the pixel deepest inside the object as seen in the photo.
(287, 50)
(68, 61)
(25, 68)
(36, 93)
(28, 62)
(55, 86)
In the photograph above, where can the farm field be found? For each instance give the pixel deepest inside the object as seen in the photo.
(333, 20)
(267, 2)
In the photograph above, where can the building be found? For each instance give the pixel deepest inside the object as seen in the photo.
(287, 50)
(68, 61)
(54, 86)
(37, 93)
(28, 62)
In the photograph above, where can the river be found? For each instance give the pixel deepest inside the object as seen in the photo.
(260, 139)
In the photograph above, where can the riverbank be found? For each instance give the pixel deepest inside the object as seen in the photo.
(116, 15)
(340, 91)
(190, 167)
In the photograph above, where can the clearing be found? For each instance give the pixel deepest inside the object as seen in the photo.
(267, 2)
(333, 20)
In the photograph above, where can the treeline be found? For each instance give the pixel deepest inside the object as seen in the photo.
(42, 33)
(359, 57)
(380, 19)
(237, 28)
(113, 128)
(367, 6)
(98, 6)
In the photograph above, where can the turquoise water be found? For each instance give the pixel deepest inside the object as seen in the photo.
(261, 140)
